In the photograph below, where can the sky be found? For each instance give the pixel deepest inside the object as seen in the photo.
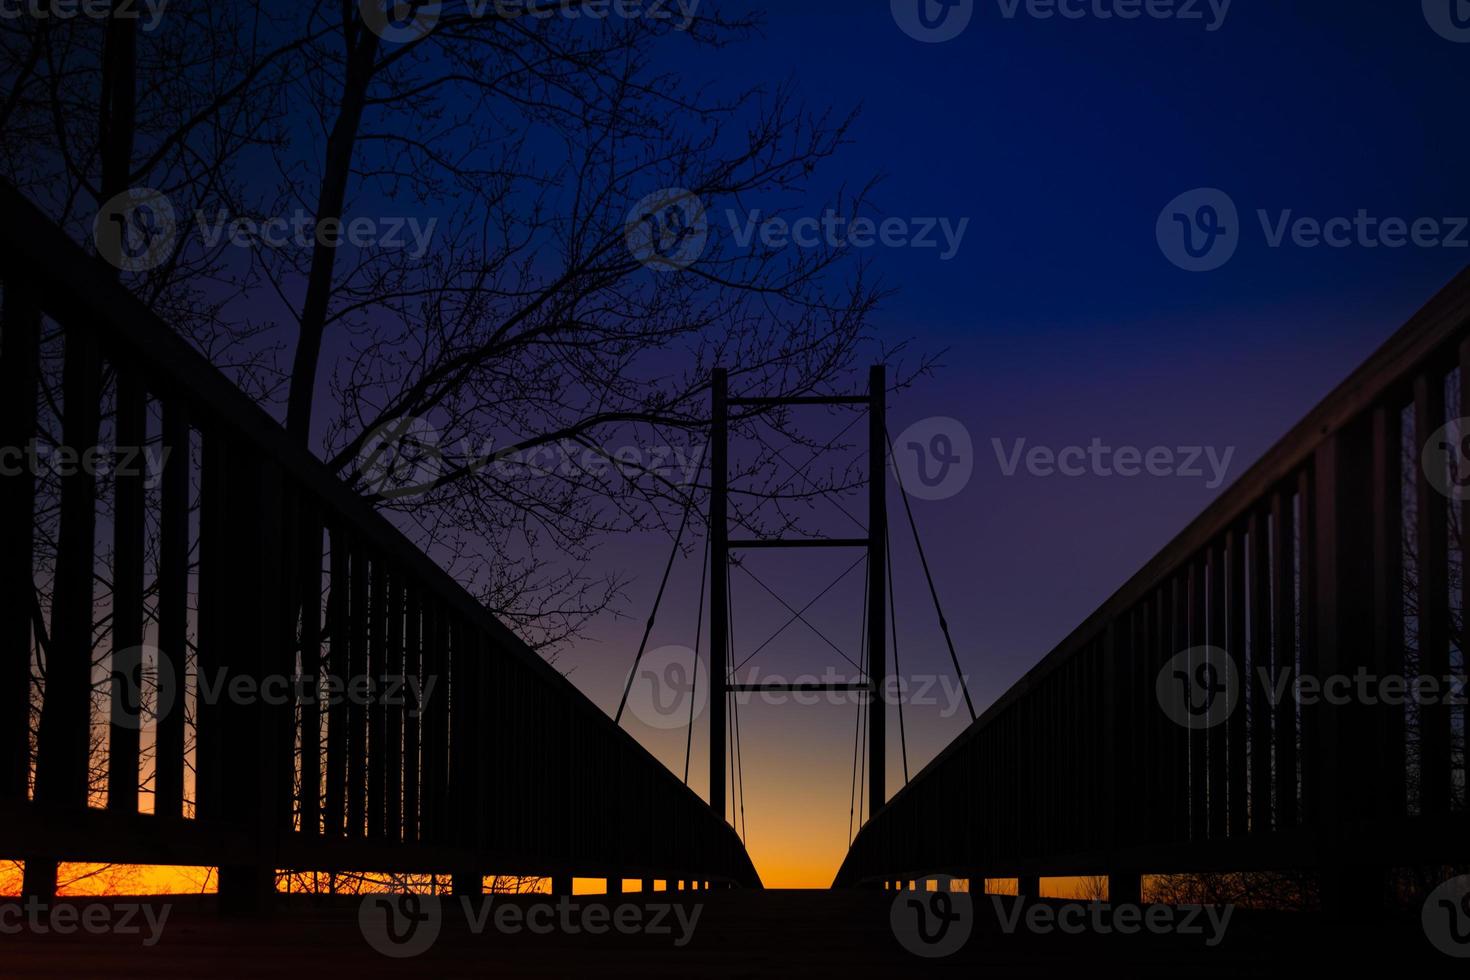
(1128, 263)
(1063, 319)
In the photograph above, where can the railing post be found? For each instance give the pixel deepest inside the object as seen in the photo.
(257, 647)
(1341, 781)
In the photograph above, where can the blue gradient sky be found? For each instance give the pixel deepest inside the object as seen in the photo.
(1061, 142)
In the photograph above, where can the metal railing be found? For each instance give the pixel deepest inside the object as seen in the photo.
(1335, 555)
(266, 566)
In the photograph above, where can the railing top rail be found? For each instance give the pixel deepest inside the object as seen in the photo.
(72, 286)
(1389, 367)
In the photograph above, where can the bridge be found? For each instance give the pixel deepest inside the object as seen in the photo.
(1336, 554)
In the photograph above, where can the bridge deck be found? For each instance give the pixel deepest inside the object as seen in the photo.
(738, 934)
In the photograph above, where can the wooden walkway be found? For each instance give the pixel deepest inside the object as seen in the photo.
(738, 934)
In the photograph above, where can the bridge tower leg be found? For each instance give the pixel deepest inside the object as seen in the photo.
(877, 592)
(719, 595)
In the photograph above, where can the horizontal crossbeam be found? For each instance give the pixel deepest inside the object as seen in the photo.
(799, 543)
(804, 400)
(775, 688)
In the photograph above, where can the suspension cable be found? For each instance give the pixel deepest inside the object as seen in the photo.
(694, 675)
(933, 590)
(903, 740)
(739, 755)
(857, 738)
(659, 598)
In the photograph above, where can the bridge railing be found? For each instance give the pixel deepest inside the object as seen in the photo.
(1339, 554)
(252, 555)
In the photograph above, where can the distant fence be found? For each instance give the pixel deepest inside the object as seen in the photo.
(259, 559)
(1336, 555)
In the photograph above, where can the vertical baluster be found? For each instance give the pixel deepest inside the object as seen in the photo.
(126, 675)
(1309, 718)
(215, 561)
(1238, 722)
(309, 557)
(393, 736)
(1434, 613)
(377, 772)
(357, 627)
(338, 611)
(1261, 681)
(1218, 779)
(413, 716)
(1388, 746)
(19, 384)
(1199, 827)
(1179, 792)
(1283, 653)
(63, 763)
(173, 611)
(431, 760)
